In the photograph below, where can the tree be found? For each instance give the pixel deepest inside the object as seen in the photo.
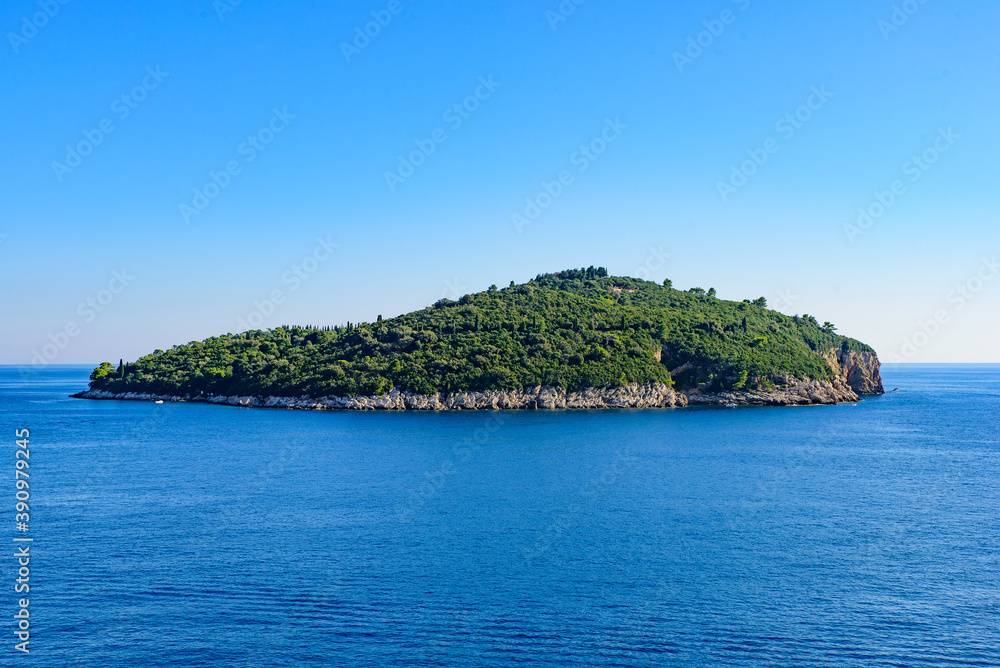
(711, 293)
(491, 289)
(829, 326)
(106, 369)
(667, 283)
(760, 301)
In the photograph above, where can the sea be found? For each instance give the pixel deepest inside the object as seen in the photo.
(175, 534)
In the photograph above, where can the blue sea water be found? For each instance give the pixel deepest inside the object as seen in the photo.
(197, 535)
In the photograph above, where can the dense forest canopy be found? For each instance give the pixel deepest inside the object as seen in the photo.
(575, 329)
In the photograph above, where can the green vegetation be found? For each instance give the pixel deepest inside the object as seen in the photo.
(578, 328)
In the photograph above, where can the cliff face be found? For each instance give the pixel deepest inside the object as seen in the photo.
(787, 391)
(860, 371)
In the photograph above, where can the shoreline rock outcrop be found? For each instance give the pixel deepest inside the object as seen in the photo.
(786, 391)
(860, 371)
(650, 395)
(855, 374)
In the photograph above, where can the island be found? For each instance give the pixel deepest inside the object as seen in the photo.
(575, 339)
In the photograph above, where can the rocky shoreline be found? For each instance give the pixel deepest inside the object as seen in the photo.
(651, 395)
(854, 374)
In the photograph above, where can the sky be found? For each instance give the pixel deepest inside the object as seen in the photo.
(183, 170)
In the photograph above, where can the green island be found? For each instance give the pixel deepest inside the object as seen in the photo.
(574, 330)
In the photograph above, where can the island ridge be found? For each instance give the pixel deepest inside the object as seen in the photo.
(572, 339)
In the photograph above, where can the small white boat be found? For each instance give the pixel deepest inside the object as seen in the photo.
(730, 405)
(159, 401)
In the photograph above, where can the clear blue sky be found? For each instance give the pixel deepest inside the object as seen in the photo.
(331, 121)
